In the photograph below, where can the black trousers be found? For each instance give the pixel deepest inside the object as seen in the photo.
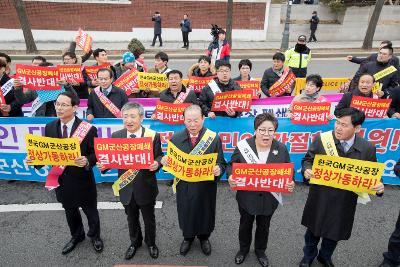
(299, 72)
(155, 37)
(393, 254)
(74, 221)
(312, 35)
(246, 229)
(311, 247)
(149, 219)
(185, 37)
(200, 237)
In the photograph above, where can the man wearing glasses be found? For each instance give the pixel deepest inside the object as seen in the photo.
(222, 83)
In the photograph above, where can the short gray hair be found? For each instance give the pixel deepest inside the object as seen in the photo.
(132, 105)
(192, 107)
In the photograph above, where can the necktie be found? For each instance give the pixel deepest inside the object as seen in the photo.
(194, 140)
(65, 132)
(345, 146)
(133, 135)
(105, 92)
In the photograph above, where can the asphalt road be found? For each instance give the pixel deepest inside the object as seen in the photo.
(331, 67)
(36, 238)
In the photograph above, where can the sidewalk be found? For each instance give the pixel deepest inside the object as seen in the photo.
(174, 50)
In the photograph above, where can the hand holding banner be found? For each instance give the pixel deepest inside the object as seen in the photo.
(310, 113)
(237, 100)
(271, 177)
(348, 174)
(52, 151)
(84, 41)
(124, 153)
(170, 113)
(373, 108)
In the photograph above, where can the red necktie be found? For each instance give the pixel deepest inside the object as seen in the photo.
(65, 132)
(194, 140)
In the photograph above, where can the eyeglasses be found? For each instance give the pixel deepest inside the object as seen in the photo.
(223, 71)
(61, 105)
(263, 131)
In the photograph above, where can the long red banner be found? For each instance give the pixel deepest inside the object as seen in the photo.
(373, 108)
(37, 78)
(237, 100)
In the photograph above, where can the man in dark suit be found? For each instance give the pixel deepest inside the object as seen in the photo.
(196, 200)
(77, 187)
(117, 96)
(329, 212)
(391, 258)
(12, 107)
(394, 109)
(141, 192)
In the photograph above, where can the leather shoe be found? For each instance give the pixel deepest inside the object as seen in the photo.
(387, 264)
(130, 252)
(98, 244)
(240, 257)
(326, 263)
(205, 246)
(153, 251)
(72, 244)
(304, 263)
(185, 247)
(263, 260)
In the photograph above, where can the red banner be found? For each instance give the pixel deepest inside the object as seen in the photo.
(373, 108)
(128, 81)
(124, 153)
(91, 71)
(262, 177)
(197, 83)
(37, 78)
(253, 86)
(283, 84)
(2, 100)
(171, 113)
(310, 113)
(71, 73)
(84, 41)
(238, 100)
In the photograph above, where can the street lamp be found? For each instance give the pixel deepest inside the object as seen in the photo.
(285, 35)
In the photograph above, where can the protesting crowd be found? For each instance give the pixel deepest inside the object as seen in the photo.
(340, 166)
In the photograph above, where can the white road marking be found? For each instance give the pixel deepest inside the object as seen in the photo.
(57, 206)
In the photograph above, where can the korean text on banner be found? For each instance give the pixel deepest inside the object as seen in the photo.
(84, 41)
(310, 113)
(262, 177)
(237, 100)
(91, 71)
(52, 151)
(71, 73)
(170, 113)
(152, 81)
(372, 108)
(197, 83)
(124, 153)
(348, 174)
(252, 85)
(128, 81)
(37, 78)
(190, 168)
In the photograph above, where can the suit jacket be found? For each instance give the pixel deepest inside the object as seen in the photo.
(329, 212)
(259, 203)
(167, 96)
(394, 94)
(77, 185)
(143, 189)
(117, 96)
(16, 106)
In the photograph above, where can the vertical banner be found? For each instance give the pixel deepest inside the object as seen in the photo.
(310, 113)
(37, 78)
(128, 81)
(84, 41)
(7, 87)
(373, 108)
(70, 73)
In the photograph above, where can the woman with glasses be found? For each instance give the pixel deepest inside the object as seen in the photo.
(257, 205)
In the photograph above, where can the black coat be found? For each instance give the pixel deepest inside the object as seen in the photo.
(397, 168)
(373, 57)
(98, 110)
(314, 22)
(197, 73)
(268, 79)
(196, 201)
(394, 94)
(16, 106)
(157, 25)
(207, 96)
(143, 189)
(77, 185)
(345, 101)
(258, 203)
(167, 96)
(329, 212)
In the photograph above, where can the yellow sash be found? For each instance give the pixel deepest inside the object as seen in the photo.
(130, 175)
(199, 149)
(330, 149)
(379, 75)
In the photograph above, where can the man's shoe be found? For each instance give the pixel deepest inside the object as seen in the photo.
(151, 45)
(72, 244)
(183, 46)
(185, 247)
(263, 260)
(98, 244)
(130, 252)
(205, 246)
(240, 257)
(326, 263)
(304, 263)
(153, 251)
(160, 45)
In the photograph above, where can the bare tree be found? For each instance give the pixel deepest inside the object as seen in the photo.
(229, 19)
(26, 27)
(369, 36)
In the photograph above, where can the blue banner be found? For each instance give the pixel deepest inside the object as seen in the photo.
(384, 133)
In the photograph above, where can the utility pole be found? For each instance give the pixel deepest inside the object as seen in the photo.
(369, 35)
(25, 26)
(285, 35)
(229, 19)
